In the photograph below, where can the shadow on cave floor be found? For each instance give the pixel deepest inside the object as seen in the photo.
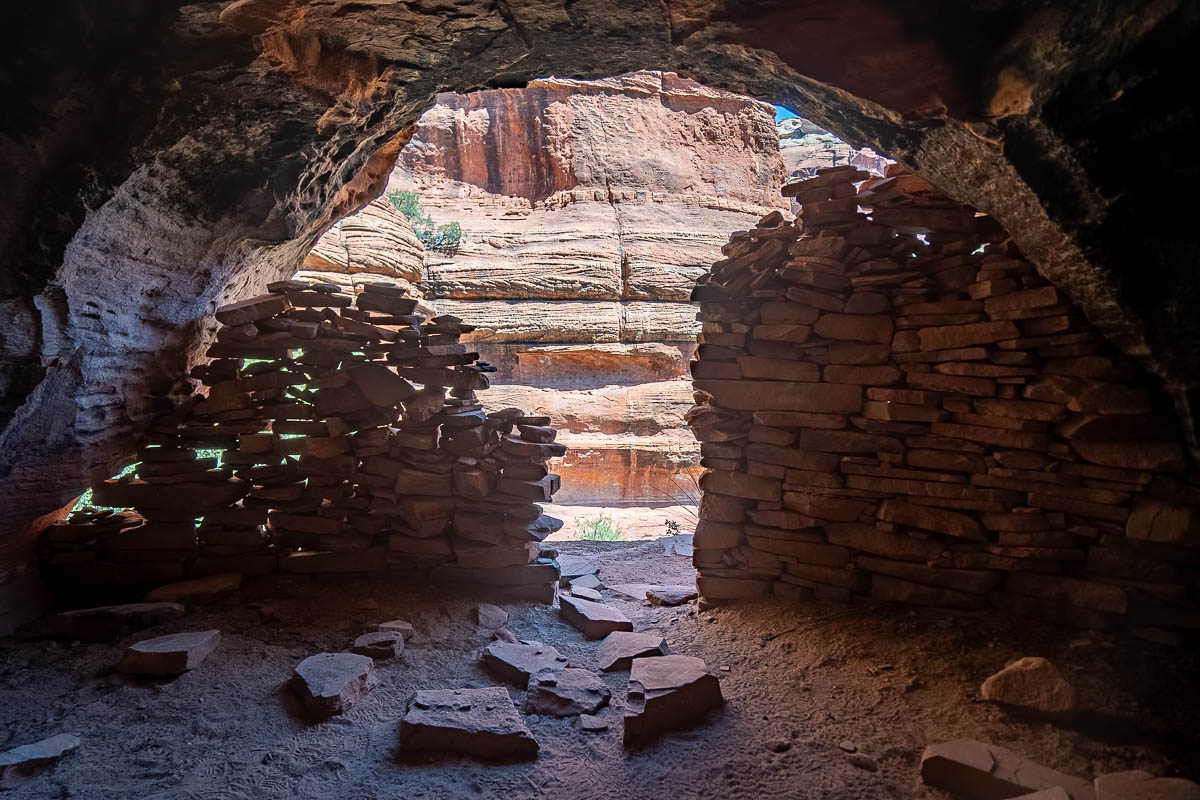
(802, 678)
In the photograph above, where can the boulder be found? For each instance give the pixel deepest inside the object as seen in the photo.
(169, 655)
(330, 683)
(619, 648)
(476, 722)
(197, 591)
(380, 645)
(107, 622)
(517, 663)
(565, 693)
(26, 762)
(1032, 685)
(667, 693)
(594, 620)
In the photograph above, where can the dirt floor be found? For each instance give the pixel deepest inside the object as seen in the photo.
(800, 678)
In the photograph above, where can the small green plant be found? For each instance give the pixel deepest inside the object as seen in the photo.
(442, 238)
(672, 527)
(598, 529)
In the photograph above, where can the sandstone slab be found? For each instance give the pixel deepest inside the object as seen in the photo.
(668, 693)
(380, 645)
(1032, 685)
(476, 722)
(1139, 785)
(330, 683)
(565, 693)
(490, 616)
(618, 650)
(169, 655)
(106, 622)
(594, 620)
(970, 768)
(671, 595)
(197, 591)
(403, 627)
(26, 762)
(516, 663)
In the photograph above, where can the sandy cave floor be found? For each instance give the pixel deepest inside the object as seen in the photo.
(812, 675)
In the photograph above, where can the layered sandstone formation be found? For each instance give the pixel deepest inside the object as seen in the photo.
(589, 209)
(806, 148)
(896, 404)
(164, 159)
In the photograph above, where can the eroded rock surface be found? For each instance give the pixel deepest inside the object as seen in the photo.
(667, 693)
(330, 683)
(565, 693)
(1031, 685)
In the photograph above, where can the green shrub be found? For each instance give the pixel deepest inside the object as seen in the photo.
(442, 238)
(599, 529)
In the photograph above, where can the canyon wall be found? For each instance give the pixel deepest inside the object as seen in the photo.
(589, 209)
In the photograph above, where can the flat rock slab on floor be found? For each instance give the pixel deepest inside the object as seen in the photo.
(671, 595)
(380, 645)
(1138, 785)
(565, 693)
(330, 683)
(107, 622)
(403, 627)
(620, 648)
(1031, 686)
(173, 654)
(588, 581)
(477, 722)
(517, 663)
(571, 567)
(30, 760)
(668, 693)
(975, 769)
(197, 591)
(586, 594)
(594, 620)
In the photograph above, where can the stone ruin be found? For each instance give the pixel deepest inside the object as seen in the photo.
(892, 402)
(314, 452)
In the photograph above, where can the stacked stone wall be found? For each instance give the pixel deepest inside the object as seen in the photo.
(893, 403)
(312, 450)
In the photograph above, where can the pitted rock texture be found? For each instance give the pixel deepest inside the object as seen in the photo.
(231, 138)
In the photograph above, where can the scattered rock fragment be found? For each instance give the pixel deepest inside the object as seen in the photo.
(594, 620)
(571, 567)
(667, 693)
(779, 745)
(477, 722)
(587, 722)
(586, 594)
(588, 581)
(490, 616)
(30, 760)
(367, 604)
(399, 626)
(620, 648)
(380, 645)
(862, 762)
(671, 595)
(107, 622)
(1033, 686)
(517, 663)
(974, 769)
(197, 591)
(565, 693)
(505, 635)
(330, 683)
(1139, 785)
(634, 591)
(848, 746)
(173, 654)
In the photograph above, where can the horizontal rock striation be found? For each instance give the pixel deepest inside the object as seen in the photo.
(895, 404)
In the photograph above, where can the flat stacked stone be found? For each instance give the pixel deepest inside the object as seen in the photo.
(337, 434)
(891, 401)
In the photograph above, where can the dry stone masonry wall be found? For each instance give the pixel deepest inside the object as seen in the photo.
(313, 452)
(891, 402)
